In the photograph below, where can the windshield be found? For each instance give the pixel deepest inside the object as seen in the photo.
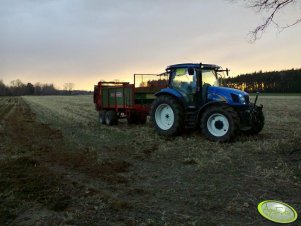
(209, 77)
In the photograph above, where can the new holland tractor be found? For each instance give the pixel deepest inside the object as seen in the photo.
(193, 98)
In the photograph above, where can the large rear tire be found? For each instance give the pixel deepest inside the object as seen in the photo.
(220, 123)
(111, 118)
(167, 116)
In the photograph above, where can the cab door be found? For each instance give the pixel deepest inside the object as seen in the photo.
(184, 80)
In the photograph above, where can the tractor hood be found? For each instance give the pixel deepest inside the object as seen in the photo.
(229, 95)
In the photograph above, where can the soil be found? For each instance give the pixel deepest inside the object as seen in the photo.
(46, 181)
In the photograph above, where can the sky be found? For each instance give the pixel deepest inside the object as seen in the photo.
(84, 41)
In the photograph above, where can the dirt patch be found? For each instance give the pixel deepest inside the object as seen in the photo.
(107, 169)
(31, 181)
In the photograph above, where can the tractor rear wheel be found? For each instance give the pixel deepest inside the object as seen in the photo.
(167, 115)
(220, 123)
(111, 118)
(102, 116)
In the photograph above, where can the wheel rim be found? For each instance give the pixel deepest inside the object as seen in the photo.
(218, 125)
(164, 116)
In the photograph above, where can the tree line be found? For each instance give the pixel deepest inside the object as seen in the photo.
(285, 81)
(18, 88)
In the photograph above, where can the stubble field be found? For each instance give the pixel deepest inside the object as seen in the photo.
(59, 166)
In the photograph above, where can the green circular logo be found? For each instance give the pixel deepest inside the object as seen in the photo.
(276, 211)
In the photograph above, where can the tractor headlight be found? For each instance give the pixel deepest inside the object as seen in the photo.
(242, 99)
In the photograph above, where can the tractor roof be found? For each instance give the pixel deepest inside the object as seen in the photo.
(193, 65)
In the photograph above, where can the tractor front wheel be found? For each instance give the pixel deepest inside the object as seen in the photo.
(167, 115)
(220, 123)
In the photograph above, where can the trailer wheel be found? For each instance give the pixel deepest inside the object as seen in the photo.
(102, 116)
(220, 123)
(167, 115)
(111, 118)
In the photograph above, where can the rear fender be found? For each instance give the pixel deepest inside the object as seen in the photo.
(173, 93)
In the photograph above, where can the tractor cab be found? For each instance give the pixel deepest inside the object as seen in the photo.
(197, 84)
(192, 80)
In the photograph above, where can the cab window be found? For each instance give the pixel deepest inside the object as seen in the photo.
(184, 80)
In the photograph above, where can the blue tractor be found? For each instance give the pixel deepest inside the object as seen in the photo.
(194, 99)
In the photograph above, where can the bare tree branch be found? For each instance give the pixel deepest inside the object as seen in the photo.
(271, 8)
(290, 25)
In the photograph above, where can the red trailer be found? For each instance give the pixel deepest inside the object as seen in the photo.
(114, 100)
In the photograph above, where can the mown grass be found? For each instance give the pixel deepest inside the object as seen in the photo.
(76, 118)
(283, 95)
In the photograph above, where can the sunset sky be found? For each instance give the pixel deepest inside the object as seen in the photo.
(83, 41)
